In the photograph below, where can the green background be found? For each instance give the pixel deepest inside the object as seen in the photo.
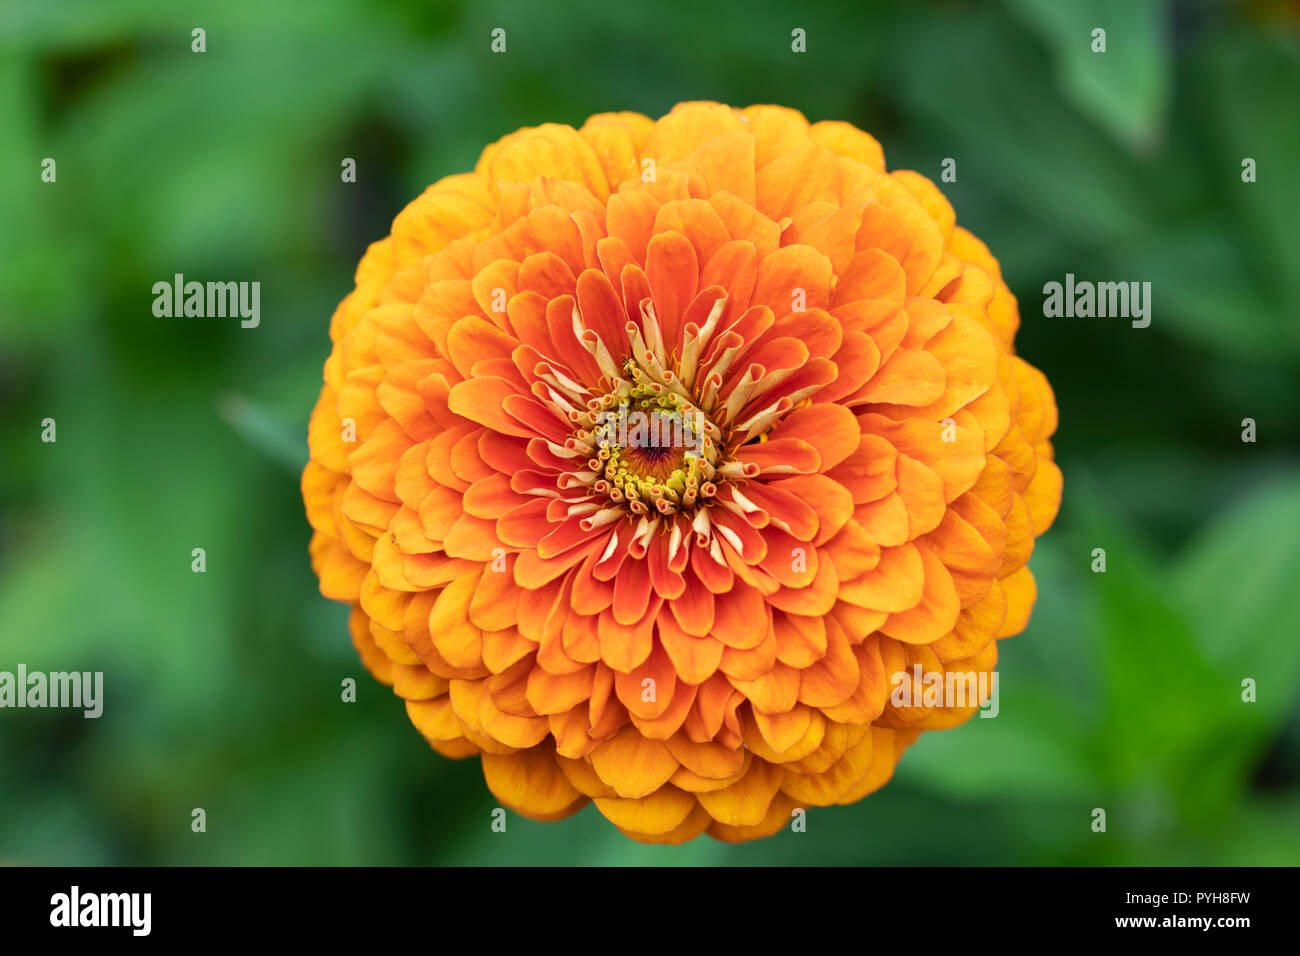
(222, 689)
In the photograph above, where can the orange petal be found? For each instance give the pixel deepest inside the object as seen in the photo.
(655, 814)
(745, 803)
(530, 782)
(694, 658)
(632, 764)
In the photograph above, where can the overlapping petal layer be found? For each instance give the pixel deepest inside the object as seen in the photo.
(702, 639)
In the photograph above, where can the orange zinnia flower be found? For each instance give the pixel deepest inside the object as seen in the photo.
(648, 453)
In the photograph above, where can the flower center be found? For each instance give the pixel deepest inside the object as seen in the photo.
(659, 439)
(654, 451)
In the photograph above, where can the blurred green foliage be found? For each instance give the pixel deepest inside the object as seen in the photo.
(222, 689)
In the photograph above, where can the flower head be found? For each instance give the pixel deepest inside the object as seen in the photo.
(650, 453)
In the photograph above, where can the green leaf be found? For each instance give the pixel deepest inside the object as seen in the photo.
(1073, 183)
(1202, 290)
(1031, 749)
(1169, 721)
(1238, 582)
(277, 439)
(1123, 89)
(1247, 83)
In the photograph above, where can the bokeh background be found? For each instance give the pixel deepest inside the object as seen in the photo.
(223, 688)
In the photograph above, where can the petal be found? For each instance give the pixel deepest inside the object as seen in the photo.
(530, 782)
(745, 802)
(656, 813)
(633, 765)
